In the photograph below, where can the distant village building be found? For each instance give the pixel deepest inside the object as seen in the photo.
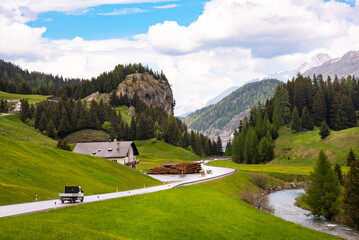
(120, 152)
(14, 105)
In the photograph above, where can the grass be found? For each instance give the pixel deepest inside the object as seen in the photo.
(303, 148)
(124, 113)
(12, 128)
(31, 98)
(153, 153)
(87, 135)
(29, 166)
(212, 210)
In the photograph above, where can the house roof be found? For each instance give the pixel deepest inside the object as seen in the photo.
(106, 149)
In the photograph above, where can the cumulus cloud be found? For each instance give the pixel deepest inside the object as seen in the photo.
(231, 42)
(269, 28)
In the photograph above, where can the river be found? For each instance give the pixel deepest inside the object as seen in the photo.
(283, 204)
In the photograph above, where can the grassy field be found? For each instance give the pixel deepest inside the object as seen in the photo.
(212, 210)
(12, 128)
(303, 148)
(31, 98)
(153, 153)
(30, 165)
(87, 135)
(124, 113)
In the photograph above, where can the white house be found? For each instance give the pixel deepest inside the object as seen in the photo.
(120, 152)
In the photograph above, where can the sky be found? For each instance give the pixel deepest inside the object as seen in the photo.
(203, 47)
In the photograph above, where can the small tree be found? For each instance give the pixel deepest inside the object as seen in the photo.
(307, 122)
(295, 124)
(323, 195)
(50, 129)
(324, 130)
(351, 194)
(351, 157)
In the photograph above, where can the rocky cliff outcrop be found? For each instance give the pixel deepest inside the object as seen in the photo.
(151, 91)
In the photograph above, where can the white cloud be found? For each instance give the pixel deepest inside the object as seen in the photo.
(124, 11)
(166, 6)
(232, 42)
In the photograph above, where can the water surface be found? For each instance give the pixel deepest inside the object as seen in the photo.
(283, 204)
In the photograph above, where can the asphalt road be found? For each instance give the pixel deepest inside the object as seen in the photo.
(25, 208)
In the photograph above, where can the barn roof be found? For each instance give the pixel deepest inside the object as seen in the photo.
(106, 149)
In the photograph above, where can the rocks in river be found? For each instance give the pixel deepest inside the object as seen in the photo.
(286, 186)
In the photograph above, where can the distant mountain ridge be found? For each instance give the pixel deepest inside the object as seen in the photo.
(346, 65)
(315, 61)
(222, 118)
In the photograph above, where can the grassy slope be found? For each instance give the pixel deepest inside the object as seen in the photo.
(124, 113)
(211, 210)
(28, 166)
(303, 148)
(153, 153)
(87, 135)
(31, 98)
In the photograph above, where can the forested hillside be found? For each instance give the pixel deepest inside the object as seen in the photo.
(303, 103)
(213, 119)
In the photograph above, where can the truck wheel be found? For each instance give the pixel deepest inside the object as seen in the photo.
(82, 199)
(62, 201)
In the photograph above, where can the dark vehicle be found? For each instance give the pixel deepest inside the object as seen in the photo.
(72, 193)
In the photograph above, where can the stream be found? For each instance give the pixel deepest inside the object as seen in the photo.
(283, 205)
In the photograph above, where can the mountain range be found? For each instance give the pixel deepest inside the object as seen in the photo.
(223, 117)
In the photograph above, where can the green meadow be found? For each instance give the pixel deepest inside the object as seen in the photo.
(124, 113)
(154, 152)
(302, 148)
(30, 164)
(211, 210)
(31, 98)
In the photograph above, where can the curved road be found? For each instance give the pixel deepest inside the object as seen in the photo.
(24, 208)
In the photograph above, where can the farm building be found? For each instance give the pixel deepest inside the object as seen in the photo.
(120, 152)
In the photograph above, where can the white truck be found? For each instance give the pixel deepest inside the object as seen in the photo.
(72, 193)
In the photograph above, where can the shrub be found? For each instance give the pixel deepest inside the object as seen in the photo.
(259, 179)
(257, 199)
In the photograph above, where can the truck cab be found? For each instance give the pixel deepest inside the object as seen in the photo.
(72, 193)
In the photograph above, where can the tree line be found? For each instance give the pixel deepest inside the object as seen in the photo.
(57, 120)
(15, 80)
(303, 103)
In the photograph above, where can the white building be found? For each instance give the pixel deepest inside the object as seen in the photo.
(120, 152)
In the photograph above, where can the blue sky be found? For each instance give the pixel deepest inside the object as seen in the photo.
(116, 20)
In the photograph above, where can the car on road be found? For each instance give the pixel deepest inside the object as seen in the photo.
(72, 193)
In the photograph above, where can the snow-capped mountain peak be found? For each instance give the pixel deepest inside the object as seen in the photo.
(315, 61)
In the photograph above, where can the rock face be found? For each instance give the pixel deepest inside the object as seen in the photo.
(151, 91)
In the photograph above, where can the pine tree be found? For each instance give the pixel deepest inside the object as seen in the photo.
(351, 194)
(263, 147)
(307, 122)
(335, 121)
(281, 105)
(219, 146)
(172, 133)
(295, 124)
(43, 122)
(250, 146)
(236, 149)
(25, 110)
(338, 172)
(349, 110)
(324, 130)
(50, 129)
(324, 192)
(319, 108)
(141, 130)
(351, 157)
(64, 124)
(133, 129)
(228, 151)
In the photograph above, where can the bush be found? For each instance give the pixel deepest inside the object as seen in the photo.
(258, 200)
(259, 179)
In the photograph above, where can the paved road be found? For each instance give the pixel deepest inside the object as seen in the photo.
(23, 208)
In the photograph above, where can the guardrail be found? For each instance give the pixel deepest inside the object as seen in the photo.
(205, 180)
